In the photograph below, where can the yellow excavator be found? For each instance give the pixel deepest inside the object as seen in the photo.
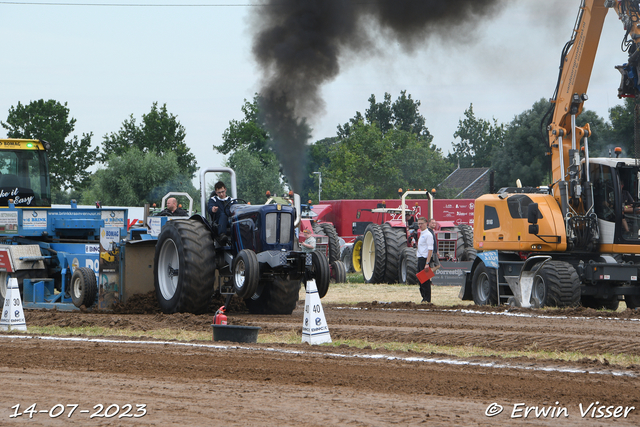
(576, 241)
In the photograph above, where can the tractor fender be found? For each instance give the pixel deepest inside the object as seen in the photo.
(200, 218)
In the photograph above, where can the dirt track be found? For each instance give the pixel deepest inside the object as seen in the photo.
(259, 384)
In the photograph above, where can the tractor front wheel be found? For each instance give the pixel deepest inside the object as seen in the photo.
(84, 287)
(246, 273)
(408, 267)
(321, 272)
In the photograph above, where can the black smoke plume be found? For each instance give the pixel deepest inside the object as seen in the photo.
(299, 45)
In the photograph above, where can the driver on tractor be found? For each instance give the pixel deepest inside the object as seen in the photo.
(218, 208)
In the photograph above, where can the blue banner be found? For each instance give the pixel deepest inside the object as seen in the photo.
(490, 258)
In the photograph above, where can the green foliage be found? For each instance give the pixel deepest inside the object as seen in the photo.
(135, 178)
(523, 154)
(621, 131)
(448, 193)
(403, 115)
(317, 159)
(600, 133)
(255, 174)
(380, 113)
(478, 139)
(366, 165)
(159, 132)
(406, 116)
(69, 158)
(247, 133)
(64, 197)
(376, 154)
(248, 140)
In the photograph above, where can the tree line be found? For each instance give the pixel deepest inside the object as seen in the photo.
(389, 147)
(372, 155)
(138, 164)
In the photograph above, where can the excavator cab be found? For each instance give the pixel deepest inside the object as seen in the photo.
(616, 199)
(24, 173)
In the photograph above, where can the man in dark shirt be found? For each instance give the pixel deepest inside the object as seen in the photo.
(217, 209)
(172, 209)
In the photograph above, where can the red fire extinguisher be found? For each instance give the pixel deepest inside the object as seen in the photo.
(220, 318)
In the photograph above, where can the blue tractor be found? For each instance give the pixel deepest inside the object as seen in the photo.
(260, 263)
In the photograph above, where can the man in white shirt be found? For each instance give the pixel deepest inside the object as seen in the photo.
(425, 251)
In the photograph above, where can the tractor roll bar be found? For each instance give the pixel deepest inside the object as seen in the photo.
(203, 186)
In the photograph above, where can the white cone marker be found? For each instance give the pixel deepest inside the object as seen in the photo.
(314, 327)
(12, 313)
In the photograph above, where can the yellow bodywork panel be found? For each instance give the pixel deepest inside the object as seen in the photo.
(501, 224)
(21, 144)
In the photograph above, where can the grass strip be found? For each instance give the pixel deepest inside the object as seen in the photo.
(294, 337)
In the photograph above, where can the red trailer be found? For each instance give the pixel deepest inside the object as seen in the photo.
(350, 217)
(354, 219)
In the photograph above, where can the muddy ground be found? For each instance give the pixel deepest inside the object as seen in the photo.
(207, 383)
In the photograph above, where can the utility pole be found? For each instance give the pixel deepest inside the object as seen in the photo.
(319, 185)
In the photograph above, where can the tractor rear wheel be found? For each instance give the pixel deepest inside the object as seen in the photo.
(279, 296)
(356, 254)
(184, 267)
(346, 258)
(395, 242)
(557, 284)
(601, 303)
(257, 304)
(338, 272)
(374, 254)
(408, 267)
(84, 287)
(317, 229)
(632, 301)
(283, 296)
(334, 241)
(464, 246)
(246, 273)
(484, 286)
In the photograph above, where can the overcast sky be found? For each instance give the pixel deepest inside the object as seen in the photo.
(109, 62)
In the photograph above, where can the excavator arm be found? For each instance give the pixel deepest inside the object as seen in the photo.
(576, 64)
(568, 143)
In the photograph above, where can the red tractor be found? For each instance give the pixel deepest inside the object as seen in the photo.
(327, 240)
(386, 253)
